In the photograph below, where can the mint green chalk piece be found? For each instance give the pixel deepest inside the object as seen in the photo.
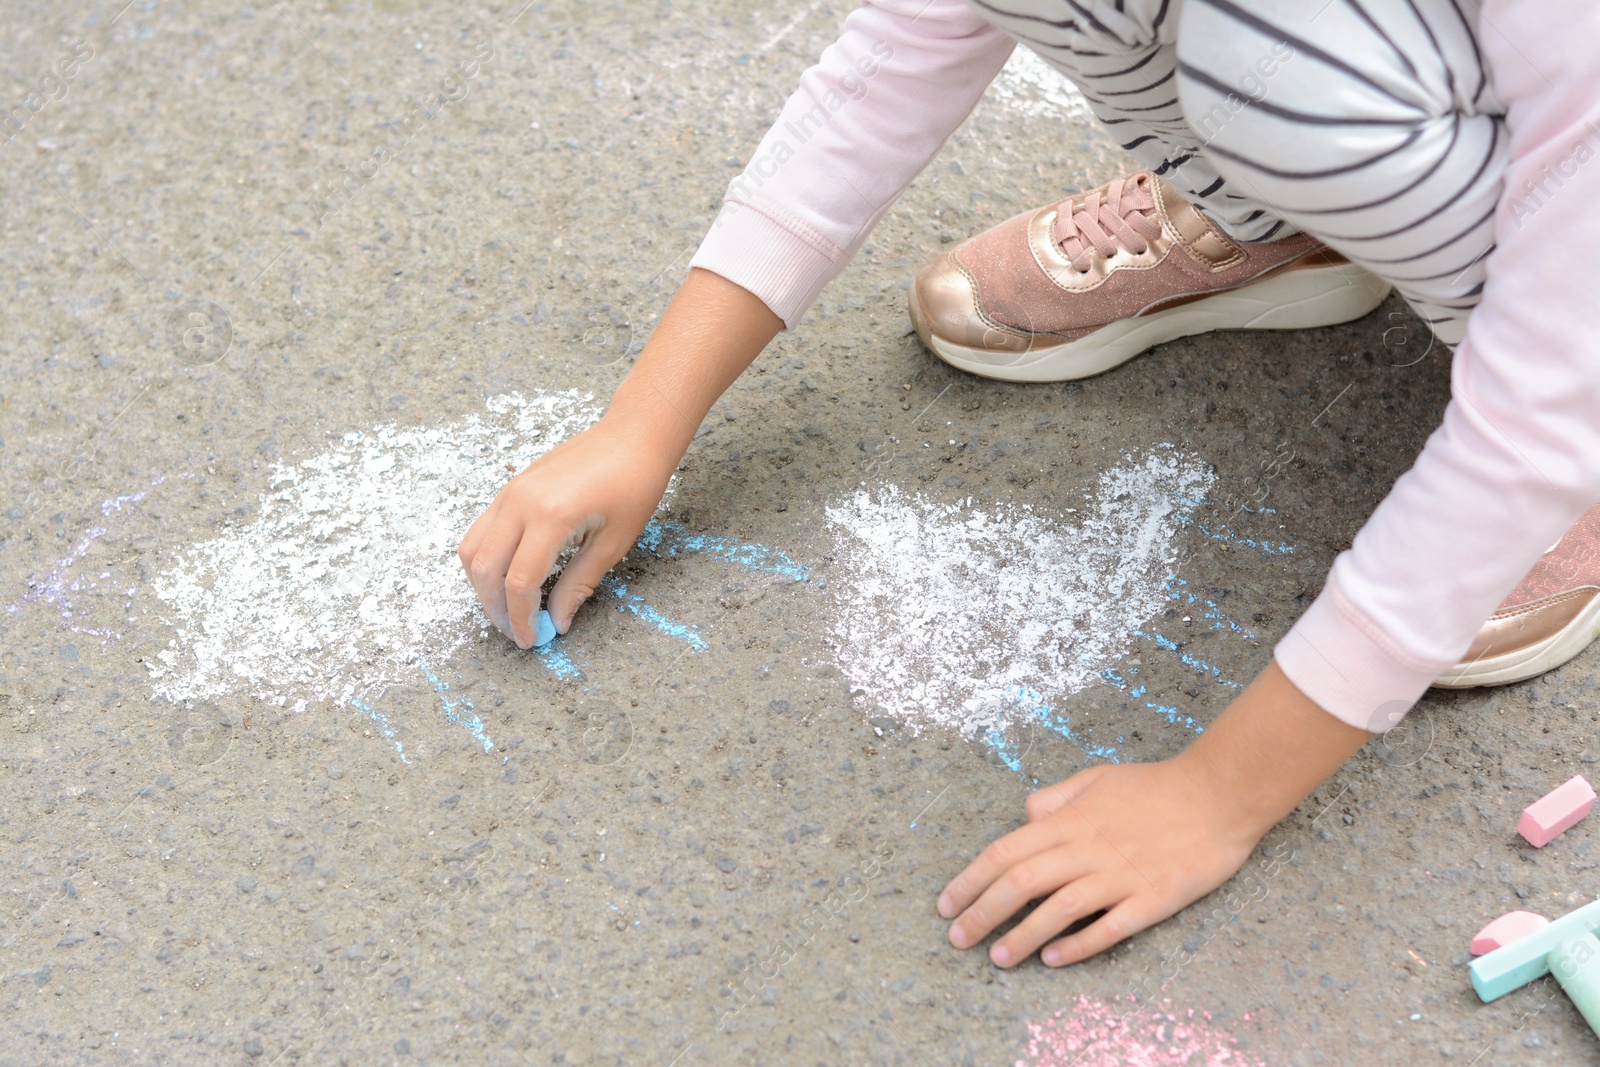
(1576, 964)
(544, 629)
(1526, 959)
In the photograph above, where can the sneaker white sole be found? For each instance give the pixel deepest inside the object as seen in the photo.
(1528, 662)
(1288, 300)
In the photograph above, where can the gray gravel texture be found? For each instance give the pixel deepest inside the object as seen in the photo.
(238, 882)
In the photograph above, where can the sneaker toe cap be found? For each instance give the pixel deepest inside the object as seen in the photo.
(1512, 630)
(944, 305)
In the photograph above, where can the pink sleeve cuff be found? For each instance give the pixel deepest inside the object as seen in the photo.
(1341, 660)
(755, 251)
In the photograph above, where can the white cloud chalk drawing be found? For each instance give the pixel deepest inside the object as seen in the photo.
(953, 616)
(349, 573)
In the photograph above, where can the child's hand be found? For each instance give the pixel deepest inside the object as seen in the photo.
(1139, 841)
(597, 491)
(600, 488)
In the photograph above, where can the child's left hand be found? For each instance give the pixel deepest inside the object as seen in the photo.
(1139, 841)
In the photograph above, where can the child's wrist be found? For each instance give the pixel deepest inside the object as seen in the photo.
(1244, 807)
(1267, 752)
(655, 427)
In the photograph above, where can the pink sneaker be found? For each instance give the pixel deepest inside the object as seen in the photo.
(1079, 287)
(1551, 616)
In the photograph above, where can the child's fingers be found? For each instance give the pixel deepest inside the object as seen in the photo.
(993, 862)
(1118, 924)
(579, 578)
(474, 537)
(1052, 798)
(535, 559)
(1028, 880)
(1060, 910)
(489, 563)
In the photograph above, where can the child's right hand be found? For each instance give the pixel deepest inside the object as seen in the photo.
(595, 491)
(599, 489)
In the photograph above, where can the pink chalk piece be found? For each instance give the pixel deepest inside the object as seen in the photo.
(1554, 812)
(1506, 929)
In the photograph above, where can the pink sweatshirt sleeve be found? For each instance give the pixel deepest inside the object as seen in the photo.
(866, 119)
(1517, 458)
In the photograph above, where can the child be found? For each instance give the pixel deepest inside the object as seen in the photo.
(1302, 158)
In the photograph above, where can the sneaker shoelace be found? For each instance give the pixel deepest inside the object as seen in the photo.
(1121, 213)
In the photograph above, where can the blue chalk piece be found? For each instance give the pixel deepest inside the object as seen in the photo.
(1526, 959)
(1576, 964)
(544, 629)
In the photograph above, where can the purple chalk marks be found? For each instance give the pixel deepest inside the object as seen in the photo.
(60, 587)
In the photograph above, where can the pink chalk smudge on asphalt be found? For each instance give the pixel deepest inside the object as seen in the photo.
(1094, 1033)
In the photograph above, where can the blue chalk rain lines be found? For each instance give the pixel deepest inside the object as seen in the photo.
(1125, 676)
(668, 540)
(628, 601)
(1227, 536)
(660, 539)
(382, 722)
(458, 710)
(1036, 710)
